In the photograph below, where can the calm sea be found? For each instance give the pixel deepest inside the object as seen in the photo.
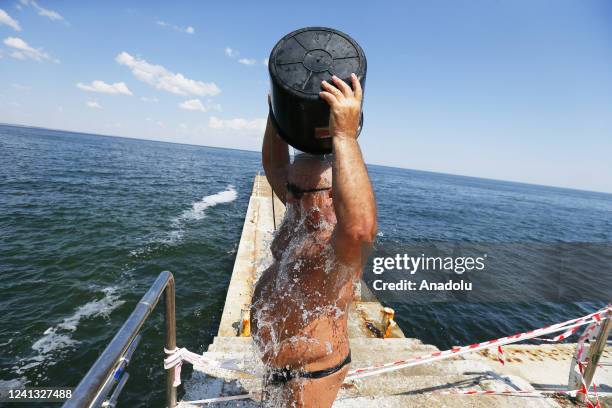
(87, 222)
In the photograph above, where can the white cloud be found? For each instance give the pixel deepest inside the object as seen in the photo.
(18, 55)
(103, 87)
(194, 105)
(188, 29)
(238, 124)
(265, 62)
(232, 53)
(149, 100)
(7, 20)
(20, 87)
(197, 105)
(93, 105)
(247, 61)
(50, 14)
(161, 78)
(23, 50)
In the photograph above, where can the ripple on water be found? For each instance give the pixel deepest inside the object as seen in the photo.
(56, 339)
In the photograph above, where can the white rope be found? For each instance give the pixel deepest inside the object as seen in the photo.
(177, 356)
(220, 399)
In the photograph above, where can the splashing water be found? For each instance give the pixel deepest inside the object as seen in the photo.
(287, 309)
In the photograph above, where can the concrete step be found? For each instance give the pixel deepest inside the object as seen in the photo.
(406, 391)
(202, 386)
(420, 390)
(403, 401)
(436, 400)
(360, 354)
(358, 346)
(373, 340)
(365, 352)
(250, 362)
(401, 341)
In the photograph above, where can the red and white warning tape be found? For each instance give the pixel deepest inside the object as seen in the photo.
(568, 328)
(504, 392)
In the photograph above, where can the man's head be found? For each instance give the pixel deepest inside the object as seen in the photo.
(309, 172)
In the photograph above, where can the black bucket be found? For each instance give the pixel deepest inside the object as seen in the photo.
(298, 64)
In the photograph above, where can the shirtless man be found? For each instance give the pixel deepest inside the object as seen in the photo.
(300, 303)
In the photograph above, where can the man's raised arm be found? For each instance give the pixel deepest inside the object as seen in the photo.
(275, 159)
(354, 201)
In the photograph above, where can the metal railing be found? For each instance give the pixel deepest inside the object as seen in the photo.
(109, 371)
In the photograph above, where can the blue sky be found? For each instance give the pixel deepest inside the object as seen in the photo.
(511, 90)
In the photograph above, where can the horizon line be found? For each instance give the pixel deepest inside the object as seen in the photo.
(257, 151)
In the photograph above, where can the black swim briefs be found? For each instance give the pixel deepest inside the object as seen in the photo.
(284, 375)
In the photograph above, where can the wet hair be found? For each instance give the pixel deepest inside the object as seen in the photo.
(319, 166)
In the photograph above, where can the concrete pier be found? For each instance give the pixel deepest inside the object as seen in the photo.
(414, 386)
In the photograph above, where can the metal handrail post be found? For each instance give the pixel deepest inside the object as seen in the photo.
(118, 374)
(170, 342)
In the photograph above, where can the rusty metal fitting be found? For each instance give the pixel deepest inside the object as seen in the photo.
(245, 322)
(388, 322)
(389, 328)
